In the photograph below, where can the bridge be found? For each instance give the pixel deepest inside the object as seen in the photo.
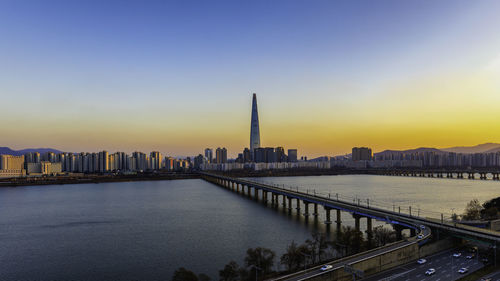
(427, 228)
(440, 173)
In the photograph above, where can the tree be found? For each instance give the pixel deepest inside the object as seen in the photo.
(230, 272)
(473, 210)
(351, 239)
(203, 277)
(292, 258)
(382, 236)
(490, 213)
(490, 209)
(261, 258)
(182, 274)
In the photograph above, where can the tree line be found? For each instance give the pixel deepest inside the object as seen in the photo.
(474, 210)
(260, 262)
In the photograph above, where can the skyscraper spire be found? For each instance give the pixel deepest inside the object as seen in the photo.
(254, 127)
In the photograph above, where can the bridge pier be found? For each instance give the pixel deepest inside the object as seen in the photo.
(399, 231)
(298, 205)
(496, 177)
(482, 176)
(471, 176)
(306, 207)
(327, 221)
(264, 196)
(315, 214)
(369, 227)
(460, 175)
(357, 218)
(284, 201)
(339, 221)
(256, 193)
(289, 204)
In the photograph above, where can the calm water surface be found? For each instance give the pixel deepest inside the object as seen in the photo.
(432, 196)
(145, 230)
(134, 230)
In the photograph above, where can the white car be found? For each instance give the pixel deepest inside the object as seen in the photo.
(463, 270)
(430, 271)
(421, 261)
(326, 267)
(457, 255)
(422, 227)
(420, 236)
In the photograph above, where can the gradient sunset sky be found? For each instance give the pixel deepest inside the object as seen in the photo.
(177, 76)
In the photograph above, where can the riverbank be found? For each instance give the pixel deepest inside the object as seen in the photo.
(13, 182)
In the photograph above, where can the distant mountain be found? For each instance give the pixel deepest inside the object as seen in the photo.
(416, 150)
(481, 148)
(7, 150)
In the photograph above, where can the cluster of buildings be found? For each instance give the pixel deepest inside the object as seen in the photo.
(49, 163)
(255, 157)
(362, 157)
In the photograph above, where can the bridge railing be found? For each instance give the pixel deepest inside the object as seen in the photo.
(413, 211)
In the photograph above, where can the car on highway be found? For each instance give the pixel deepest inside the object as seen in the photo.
(457, 255)
(421, 261)
(469, 257)
(430, 271)
(463, 270)
(420, 236)
(326, 267)
(422, 227)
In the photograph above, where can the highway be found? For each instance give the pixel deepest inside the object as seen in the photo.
(441, 262)
(352, 260)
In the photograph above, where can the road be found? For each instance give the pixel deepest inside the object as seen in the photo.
(317, 271)
(441, 262)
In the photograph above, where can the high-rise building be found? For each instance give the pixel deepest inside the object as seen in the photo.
(209, 154)
(259, 155)
(155, 160)
(254, 127)
(361, 153)
(198, 161)
(280, 154)
(292, 155)
(10, 162)
(247, 156)
(103, 161)
(221, 155)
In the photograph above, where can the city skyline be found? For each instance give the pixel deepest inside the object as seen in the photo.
(174, 77)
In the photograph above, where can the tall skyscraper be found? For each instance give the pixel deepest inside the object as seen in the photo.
(254, 127)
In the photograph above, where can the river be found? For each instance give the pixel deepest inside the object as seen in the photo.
(145, 230)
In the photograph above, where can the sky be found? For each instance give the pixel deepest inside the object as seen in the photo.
(178, 76)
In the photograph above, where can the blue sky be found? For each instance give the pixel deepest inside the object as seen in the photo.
(178, 75)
